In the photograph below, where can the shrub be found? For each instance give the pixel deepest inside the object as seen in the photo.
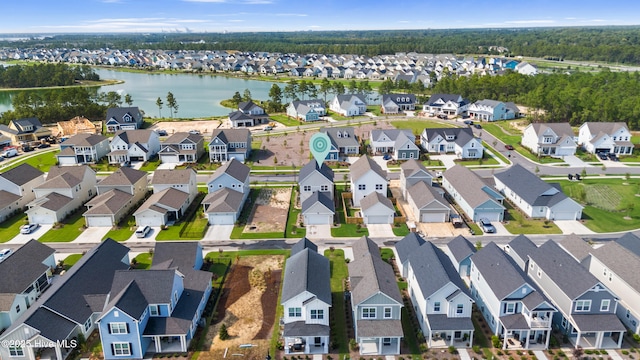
(624, 352)
(476, 349)
(636, 337)
(353, 344)
(452, 350)
(499, 353)
(222, 333)
(495, 341)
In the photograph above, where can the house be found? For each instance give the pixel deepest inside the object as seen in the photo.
(534, 196)
(306, 299)
(248, 114)
(343, 142)
(181, 147)
(65, 190)
(412, 172)
(448, 104)
(616, 264)
(318, 209)
(519, 249)
(155, 310)
(428, 203)
(460, 250)
(397, 103)
(452, 140)
(83, 149)
(306, 110)
(17, 189)
(399, 142)
(377, 209)
(349, 104)
(24, 131)
(70, 307)
(474, 196)
(403, 250)
(439, 296)
(586, 307)
(526, 68)
(228, 189)
(512, 305)
(376, 302)
(227, 144)
(605, 137)
(77, 125)
(173, 192)
(123, 118)
(366, 177)
(314, 178)
(26, 274)
(118, 194)
(133, 145)
(493, 110)
(549, 139)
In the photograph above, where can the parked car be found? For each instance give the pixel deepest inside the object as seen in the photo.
(613, 157)
(4, 253)
(28, 229)
(603, 156)
(27, 148)
(443, 116)
(162, 132)
(477, 126)
(468, 122)
(432, 114)
(194, 132)
(508, 147)
(486, 226)
(386, 157)
(10, 153)
(268, 128)
(143, 231)
(44, 146)
(125, 164)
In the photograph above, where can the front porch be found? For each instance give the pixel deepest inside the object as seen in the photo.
(167, 344)
(379, 346)
(306, 345)
(599, 340)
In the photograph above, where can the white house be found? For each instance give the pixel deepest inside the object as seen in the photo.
(343, 142)
(537, 198)
(17, 188)
(474, 196)
(349, 104)
(248, 114)
(227, 144)
(123, 118)
(377, 209)
(452, 140)
(493, 110)
(448, 104)
(313, 178)
(307, 110)
(83, 149)
(606, 137)
(228, 189)
(133, 145)
(366, 177)
(549, 139)
(397, 103)
(318, 209)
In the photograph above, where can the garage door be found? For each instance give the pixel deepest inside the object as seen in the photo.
(221, 220)
(564, 215)
(41, 219)
(103, 221)
(432, 217)
(317, 219)
(149, 220)
(379, 219)
(492, 216)
(67, 160)
(168, 159)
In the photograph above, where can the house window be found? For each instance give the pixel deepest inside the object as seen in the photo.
(87, 325)
(153, 309)
(539, 273)
(459, 308)
(387, 313)
(17, 308)
(175, 296)
(564, 322)
(368, 313)
(362, 186)
(317, 314)
(378, 186)
(121, 349)
(324, 188)
(306, 188)
(604, 305)
(510, 308)
(118, 328)
(386, 341)
(16, 351)
(436, 306)
(583, 305)
(295, 312)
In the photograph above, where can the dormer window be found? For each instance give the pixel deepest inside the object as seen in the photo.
(339, 134)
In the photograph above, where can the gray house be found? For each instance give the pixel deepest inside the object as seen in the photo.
(123, 118)
(318, 209)
(460, 251)
(403, 250)
(473, 194)
(314, 178)
(401, 143)
(228, 190)
(83, 149)
(396, 103)
(376, 302)
(377, 209)
(428, 203)
(227, 144)
(587, 308)
(306, 298)
(343, 142)
(412, 172)
(519, 249)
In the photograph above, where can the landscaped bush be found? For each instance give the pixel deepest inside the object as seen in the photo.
(452, 350)
(476, 349)
(495, 341)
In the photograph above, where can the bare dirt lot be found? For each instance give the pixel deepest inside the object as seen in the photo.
(247, 307)
(269, 213)
(204, 126)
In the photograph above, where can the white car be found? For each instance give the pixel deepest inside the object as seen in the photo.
(28, 229)
(4, 253)
(143, 231)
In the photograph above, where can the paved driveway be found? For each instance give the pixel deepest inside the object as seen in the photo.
(447, 160)
(24, 238)
(573, 227)
(165, 166)
(150, 238)
(218, 232)
(574, 161)
(500, 229)
(318, 231)
(380, 230)
(92, 234)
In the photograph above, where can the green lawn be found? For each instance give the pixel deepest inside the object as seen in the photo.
(486, 160)
(635, 157)
(151, 165)
(496, 153)
(344, 229)
(510, 137)
(410, 334)
(608, 203)
(71, 228)
(42, 161)
(71, 260)
(339, 272)
(124, 230)
(11, 227)
(400, 229)
(142, 261)
(192, 225)
(521, 224)
(417, 126)
(374, 109)
(292, 220)
(215, 255)
(103, 165)
(285, 120)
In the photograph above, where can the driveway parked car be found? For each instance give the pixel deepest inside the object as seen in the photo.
(468, 122)
(194, 132)
(44, 146)
(603, 156)
(508, 147)
(268, 128)
(162, 132)
(386, 157)
(486, 226)
(143, 231)
(613, 157)
(477, 126)
(28, 229)
(4, 253)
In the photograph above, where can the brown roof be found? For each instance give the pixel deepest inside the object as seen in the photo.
(133, 136)
(123, 176)
(55, 201)
(179, 137)
(170, 177)
(108, 203)
(21, 174)
(468, 184)
(7, 198)
(223, 201)
(63, 177)
(170, 198)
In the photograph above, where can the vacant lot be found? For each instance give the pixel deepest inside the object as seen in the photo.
(269, 212)
(204, 126)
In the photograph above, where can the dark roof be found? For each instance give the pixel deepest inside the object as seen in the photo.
(514, 322)
(598, 322)
(50, 325)
(21, 174)
(130, 299)
(461, 248)
(442, 322)
(123, 176)
(182, 254)
(433, 270)
(233, 168)
(24, 267)
(409, 244)
(621, 261)
(180, 137)
(631, 242)
(307, 271)
(363, 165)
(370, 274)
(304, 243)
(246, 106)
(461, 136)
(312, 167)
(223, 200)
(500, 272)
(445, 97)
(119, 113)
(154, 285)
(231, 135)
(576, 247)
(319, 196)
(341, 141)
(529, 187)
(84, 140)
(379, 328)
(399, 98)
(301, 329)
(172, 176)
(21, 124)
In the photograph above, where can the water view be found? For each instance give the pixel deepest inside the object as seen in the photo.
(196, 95)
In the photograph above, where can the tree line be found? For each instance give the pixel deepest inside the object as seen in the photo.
(43, 75)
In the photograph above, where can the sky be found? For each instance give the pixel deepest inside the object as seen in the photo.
(144, 16)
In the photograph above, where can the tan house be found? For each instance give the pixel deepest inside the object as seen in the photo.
(24, 130)
(77, 125)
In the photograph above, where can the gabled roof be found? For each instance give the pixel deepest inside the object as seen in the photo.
(321, 197)
(223, 200)
(119, 113)
(169, 198)
(522, 246)
(369, 274)
(363, 165)
(392, 134)
(500, 272)
(84, 140)
(304, 243)
(129, 299)
(461, 136)
(247, 106)
(172, 176)
(576, 247)
(108, 203)
(446, 98)
(307, 271)
(423, 195)
(123, 176)
(180, 137)
(341, 140)
(631, 242)
(24, 267)
(469, 185)
(347, 99)
(182, 254)
(560, 129)
(312, 167)
(374, 198)
(155, 285)
(413, 167)
(433, 270)
(231, 135)
(408, 245)
(53, 201)
(605, 127)
(461, 248)
(233, 168)
(621, 261)
(21, 174)
(529, 187)
(22, 124)
(134, 136)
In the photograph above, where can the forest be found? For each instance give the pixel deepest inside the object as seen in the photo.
(43, 75)
(615, 44)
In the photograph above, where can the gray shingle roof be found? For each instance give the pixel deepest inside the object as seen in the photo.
(446, 98)
(341, 141)
(469, 185)
(300, 329)
(312, 167)
(623, 262)
(631, 242)
(500, 272)
(182, 254)
(379, 328)
(370, 274)
(180, 137)
(169, 197)
(423, 194)
(462, 136)
(522, 246)
(85, 140)
(64, 177)
(576, 247)
(307, 271)
(598, 322)
(441, 322)
(134, 136)
(374, 198)
(119, 113)
(392, 134)
(433, 270)
(24, 267)
(155, 285)
(231, 135)
(123, 176)
(461, 248)
(304, 243)
(529, 187)
(408, 245)
(223, 200)
(363, 165)
(21, 174)
(233, 168)
(605, 127)
(560, 129)
(413, 167)
(54, 201)
(108, 203)
(323, 198)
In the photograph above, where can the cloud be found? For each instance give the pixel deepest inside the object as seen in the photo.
(404, 21)
(236, 20)
(206, 1)
(571, 18)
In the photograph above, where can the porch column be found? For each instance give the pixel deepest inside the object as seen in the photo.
(578, 339)
(548, 337)
(59, 353)
(157, 343)
(471, 339)
(451, 336)
(398, 345)
(380, 345)
(599, 338)
(429, 335)
(620, 339)
(183, 343)
(526, 346)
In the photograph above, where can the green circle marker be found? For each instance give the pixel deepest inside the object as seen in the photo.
(320, 145)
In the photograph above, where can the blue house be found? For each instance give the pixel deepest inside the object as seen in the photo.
(156, 310)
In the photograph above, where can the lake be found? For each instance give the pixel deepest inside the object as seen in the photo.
(196, 95)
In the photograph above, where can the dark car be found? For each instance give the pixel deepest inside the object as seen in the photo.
(27, 148)
(468, 122)
(162, 132)
(613, 157)
(44, 146)
(603, 156)
(386, 157)
(443, 116)
(477, 126)
(508, 147)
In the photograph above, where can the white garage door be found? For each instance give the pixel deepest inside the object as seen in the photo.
(221, 220)
(317, 219)
(492, 216)
(168, 159)
(432, 217)
(570, 215)
(149, 220)
(67, 160)
(41, 219)
(102, 221)
(379, 219)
